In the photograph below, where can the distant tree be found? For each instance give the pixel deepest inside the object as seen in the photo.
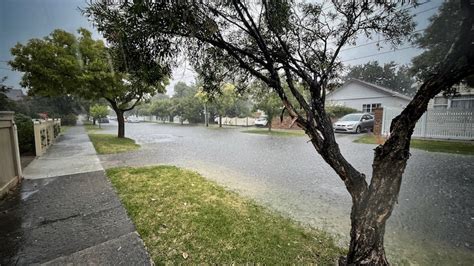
(390, 75)
(62, 64)
(54, 106)
(267, 101)
(185, 104)
(223, 101)
(98, 112)
(162, 108)
(5, 103)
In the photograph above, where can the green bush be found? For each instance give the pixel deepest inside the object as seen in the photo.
(26, 134)
(69, 120)
(335, 111)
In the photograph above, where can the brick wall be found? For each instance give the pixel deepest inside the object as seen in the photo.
(378, 121)
(285, 124)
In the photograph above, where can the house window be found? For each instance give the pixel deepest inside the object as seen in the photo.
(463, 103)
(440, 103)
(369, 108)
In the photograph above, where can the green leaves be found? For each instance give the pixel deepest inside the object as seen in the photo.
(62, 63)
(389, 75)
(99, 111)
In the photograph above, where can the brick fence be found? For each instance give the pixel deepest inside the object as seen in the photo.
(285, 124)
(378, 121)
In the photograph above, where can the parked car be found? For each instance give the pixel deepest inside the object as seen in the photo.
(355, 123)
(261, 121)
(103, 120)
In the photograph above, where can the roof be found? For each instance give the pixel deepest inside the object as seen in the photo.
(14, 94)
(375, 87)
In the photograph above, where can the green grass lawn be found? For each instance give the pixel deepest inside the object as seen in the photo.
(277, 132)
(65, 128)
(430, 145)
(183, 218)
(91, 128)
(107, 143)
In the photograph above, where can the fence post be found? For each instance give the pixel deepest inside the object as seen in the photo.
(10, 164)
(425, 124)
(16, 151)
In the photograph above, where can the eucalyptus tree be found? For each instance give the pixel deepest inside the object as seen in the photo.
(300, 42)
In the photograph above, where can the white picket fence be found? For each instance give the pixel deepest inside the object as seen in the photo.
(438, 124)
(236, 121)
(228, 121)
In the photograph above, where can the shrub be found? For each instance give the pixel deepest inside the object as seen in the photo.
(336, 111)
(26, 133)
(69, 120)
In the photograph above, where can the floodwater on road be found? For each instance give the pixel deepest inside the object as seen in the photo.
(431, 224)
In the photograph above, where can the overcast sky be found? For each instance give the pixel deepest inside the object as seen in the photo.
(21, 20)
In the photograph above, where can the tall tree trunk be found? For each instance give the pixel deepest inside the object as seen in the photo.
(269, 125)
(220, 121)
(121, 124)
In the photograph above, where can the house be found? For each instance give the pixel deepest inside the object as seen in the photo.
(463, 101)
(15, 94)
(365, 96)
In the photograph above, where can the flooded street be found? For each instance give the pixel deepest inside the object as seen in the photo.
(432, 223)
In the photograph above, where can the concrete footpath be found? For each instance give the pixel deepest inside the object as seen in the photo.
(66, 212)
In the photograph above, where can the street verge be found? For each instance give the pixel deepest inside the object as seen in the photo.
(184, 218)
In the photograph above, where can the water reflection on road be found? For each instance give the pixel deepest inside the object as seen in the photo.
(432, 224)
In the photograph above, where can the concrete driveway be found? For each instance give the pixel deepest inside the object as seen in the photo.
(432, 223)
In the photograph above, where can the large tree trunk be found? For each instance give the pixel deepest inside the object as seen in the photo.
(121, 124)
(220, 120)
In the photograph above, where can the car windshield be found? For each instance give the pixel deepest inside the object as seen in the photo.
(351, 117)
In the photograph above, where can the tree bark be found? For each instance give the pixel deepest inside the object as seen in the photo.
(121, 124)
(220, 121)
(269, 125)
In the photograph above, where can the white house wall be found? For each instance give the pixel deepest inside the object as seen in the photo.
(354, 95)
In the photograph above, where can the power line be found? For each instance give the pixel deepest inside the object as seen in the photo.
(369, 43)
(386, 52)
(426, 10)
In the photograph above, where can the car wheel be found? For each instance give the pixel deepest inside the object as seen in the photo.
(358, 130)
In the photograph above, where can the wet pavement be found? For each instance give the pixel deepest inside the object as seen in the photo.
(71, 218)
(432, 224)
(72, 153)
